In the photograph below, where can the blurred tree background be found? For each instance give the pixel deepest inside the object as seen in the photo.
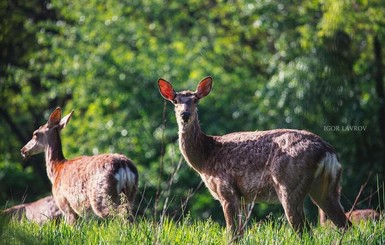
(314, 65)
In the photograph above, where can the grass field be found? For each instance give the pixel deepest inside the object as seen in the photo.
(186, 231)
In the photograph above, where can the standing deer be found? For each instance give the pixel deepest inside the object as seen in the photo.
(40, 211)
(87, 184)
(281, 165)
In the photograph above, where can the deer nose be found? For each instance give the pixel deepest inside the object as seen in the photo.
(185, 116)
(23, 153)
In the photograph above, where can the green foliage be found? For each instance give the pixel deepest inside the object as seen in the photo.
(15, 184)
(275, 64)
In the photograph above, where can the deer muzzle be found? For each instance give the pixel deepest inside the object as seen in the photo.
(185, 116)
(24, 153)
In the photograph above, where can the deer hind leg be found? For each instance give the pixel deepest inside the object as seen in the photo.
(127, 202)
(292, 197)
(125, 207)
(104, 199)
(331, 206)
(325, 193)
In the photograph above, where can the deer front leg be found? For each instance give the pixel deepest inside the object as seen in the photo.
(229, 211)
(230, 202)
(69, 214)
(232, 213)
(70, 217)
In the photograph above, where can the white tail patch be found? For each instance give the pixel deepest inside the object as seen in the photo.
(329, 164)
(125, 177)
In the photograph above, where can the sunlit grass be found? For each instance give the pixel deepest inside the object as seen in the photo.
(186, 231)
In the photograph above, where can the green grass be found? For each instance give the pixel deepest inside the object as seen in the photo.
(186, 231)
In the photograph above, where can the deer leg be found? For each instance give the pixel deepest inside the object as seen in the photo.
(101, 203)
(292, 199)
(125, 208)
(71, 217)
(321, 214)
(130, 199)
(294, 214)
(69, 214)
(331, 205)
(326, 194)
(230, 211)
(230, 202)
(243, 213)
(335, 212)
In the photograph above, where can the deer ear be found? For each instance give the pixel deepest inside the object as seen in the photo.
(204, 87)
(65, 120)
(166, 90)
(54, 118)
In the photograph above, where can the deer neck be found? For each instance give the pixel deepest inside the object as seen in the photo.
(53, 153)
(194, 144)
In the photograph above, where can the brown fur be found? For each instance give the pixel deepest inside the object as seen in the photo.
(359, 215)
(87, 184)
(355, 216)
(273, 166)
(40, 211)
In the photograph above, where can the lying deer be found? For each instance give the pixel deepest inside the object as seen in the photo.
(356, 216)
(87, 184)
(273, 166)
(40, 211)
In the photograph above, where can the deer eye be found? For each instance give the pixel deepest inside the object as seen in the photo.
(196, 100)
(174, 101)
(36, 134)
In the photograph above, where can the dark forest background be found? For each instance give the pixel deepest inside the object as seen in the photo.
(316, 65)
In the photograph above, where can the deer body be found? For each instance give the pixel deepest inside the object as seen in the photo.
(87, 184)
(263, 166)
(356, 216)
(100, 186)
(40, 211)
(252, 162)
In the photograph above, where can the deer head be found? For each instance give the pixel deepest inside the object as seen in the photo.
(185, 102)
(40, 137)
